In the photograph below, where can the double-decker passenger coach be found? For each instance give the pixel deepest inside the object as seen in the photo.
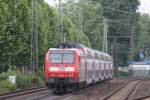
(73, 66)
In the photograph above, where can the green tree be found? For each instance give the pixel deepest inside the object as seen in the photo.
(123, 22)
(91, 16)
(142, 42)
(14, 31)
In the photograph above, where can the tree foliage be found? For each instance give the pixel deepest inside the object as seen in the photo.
(143, 40)
(17, 26)
(122, 19)
(91, 15)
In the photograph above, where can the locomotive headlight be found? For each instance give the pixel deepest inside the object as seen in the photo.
(53, 69)
(71, 69)
(70, 75)
(53, 75)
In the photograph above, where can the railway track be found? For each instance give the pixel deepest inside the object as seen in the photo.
(125, 92)
(62, 97)
(22, 92)
(143, 98)
(32, 93)
(42, 93)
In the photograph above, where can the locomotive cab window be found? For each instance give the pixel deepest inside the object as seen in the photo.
(68, 58)
(62, 57)
(56, 58)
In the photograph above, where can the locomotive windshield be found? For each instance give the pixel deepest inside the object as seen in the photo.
(68, 58)
(62, 57)
(56, 58)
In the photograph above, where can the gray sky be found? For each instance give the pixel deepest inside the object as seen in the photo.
(143, 8)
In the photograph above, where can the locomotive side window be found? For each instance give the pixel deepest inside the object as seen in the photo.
(89, 54)
(96, 55)
(103, 57)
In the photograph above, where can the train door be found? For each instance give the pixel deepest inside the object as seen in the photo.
(100, 70)
(104, 70)
(82, 68)
(89, 67)
(93, 70)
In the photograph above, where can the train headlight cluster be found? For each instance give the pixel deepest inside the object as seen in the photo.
(70, 75)
(53, 69)
(67, 69)
(52, 75)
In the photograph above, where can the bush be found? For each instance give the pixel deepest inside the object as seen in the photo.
(38, 80)
(6, 86)
(3, 76)
(42, 74)
(23, 81)
(121, 74)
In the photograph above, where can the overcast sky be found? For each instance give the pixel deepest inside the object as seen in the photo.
(144, 7)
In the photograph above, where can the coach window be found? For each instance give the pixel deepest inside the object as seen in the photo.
(87, 53)
(91, 56)
(110, 59)
(107, 58)
(102, 57)
(99, 57)
(96, 55)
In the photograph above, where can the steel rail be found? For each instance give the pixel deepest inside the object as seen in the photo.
(130, 92)
(59, 97)
(142, 98)
(22, 92)
(117, 90)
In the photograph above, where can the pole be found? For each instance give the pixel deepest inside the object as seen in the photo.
(80, 22)
(60, 21)
(146, 55)
(36, 33)
(34, 38)
(105, 35)
(132, 38)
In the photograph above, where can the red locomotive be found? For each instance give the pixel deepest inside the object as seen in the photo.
(76, 66)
